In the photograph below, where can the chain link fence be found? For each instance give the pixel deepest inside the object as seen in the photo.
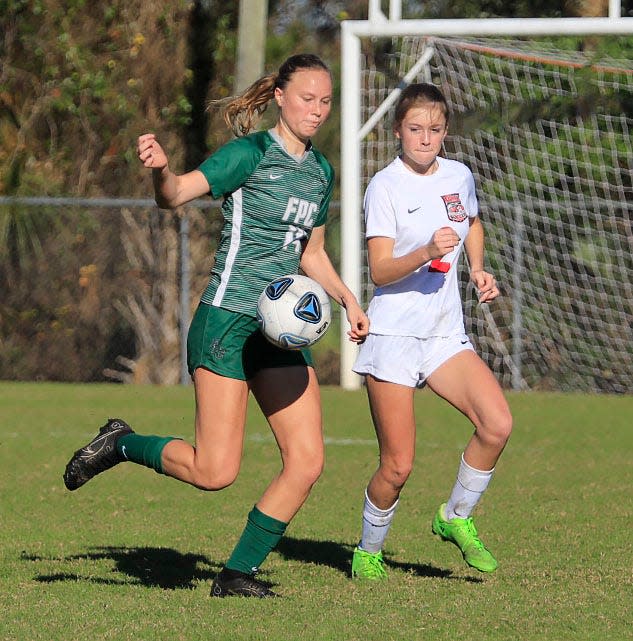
(104, 289)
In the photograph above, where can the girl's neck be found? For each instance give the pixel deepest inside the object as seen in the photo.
(293, 144)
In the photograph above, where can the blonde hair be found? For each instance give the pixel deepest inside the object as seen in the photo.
(242, 112)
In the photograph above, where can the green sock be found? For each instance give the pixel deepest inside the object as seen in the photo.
(145, 450)
(259, 538)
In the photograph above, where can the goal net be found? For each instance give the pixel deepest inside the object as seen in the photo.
(546, 126)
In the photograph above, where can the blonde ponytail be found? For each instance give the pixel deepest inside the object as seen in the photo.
(242, 112)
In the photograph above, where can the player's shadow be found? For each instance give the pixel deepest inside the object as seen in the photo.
(149, 566)
(169, 569)
(339, 556)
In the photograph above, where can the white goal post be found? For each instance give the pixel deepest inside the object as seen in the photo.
(367, 145)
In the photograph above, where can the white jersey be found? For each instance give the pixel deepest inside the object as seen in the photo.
(409, 208)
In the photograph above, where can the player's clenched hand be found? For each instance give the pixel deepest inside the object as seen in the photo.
(486, 285)
(359, 323)
(150, 153)
(443, 242)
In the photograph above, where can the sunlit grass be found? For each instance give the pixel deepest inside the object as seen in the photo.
(132, 554)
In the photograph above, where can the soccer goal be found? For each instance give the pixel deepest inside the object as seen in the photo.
(542, 113)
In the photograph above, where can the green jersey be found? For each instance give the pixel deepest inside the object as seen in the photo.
(272, 200)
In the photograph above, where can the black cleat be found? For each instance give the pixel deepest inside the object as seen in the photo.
(99, 455)
(235, 583)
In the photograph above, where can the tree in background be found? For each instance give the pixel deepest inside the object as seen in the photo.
(78, 83)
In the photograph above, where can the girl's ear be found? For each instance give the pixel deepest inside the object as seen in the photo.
(279, 94)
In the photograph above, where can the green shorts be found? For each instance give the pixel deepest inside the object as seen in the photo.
(230, 344)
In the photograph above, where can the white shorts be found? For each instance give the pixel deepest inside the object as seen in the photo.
(407, 360)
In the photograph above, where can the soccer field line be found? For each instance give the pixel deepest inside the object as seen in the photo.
(258, 437)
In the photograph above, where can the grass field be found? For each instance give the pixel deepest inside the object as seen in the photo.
(132, 554)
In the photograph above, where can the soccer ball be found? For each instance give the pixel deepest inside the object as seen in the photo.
(294, 312)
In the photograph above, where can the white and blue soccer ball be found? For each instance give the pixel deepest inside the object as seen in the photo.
(294, 312)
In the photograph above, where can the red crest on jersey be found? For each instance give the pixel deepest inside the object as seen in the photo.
(454, 208)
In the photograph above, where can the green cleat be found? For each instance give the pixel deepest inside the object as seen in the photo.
(366, 565)
(463, 534)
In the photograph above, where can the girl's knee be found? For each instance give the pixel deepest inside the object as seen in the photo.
(212, 481)
(497, 431)
(305, 471)
(504, 425)
(313, 470)
(396, 471)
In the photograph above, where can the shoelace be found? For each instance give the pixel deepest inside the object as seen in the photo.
(469, 528)
(374, 565)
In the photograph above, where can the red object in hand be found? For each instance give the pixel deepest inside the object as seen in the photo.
(439, 266)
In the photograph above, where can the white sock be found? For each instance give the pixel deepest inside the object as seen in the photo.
(467, 491)
(376, 523)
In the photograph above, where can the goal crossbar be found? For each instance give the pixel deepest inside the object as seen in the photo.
(490, 27)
